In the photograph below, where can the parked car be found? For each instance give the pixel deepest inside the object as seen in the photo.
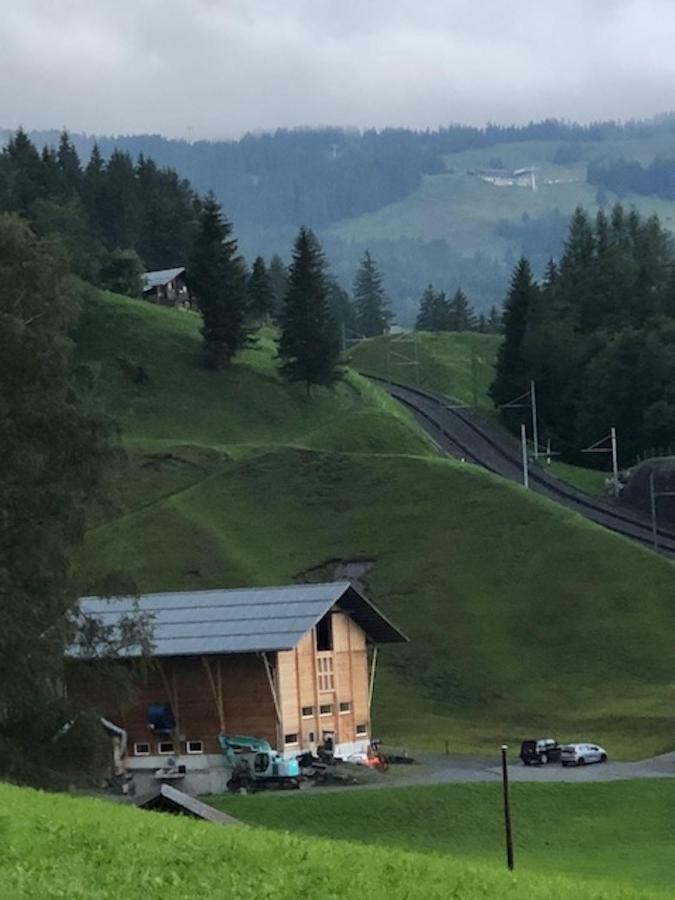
(580, 754)
(540, 752)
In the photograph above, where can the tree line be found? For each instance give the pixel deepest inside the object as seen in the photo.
(630, 177)
(597, 335)
(438, 312)
(115, 217)
(313, 312)
(322, 175)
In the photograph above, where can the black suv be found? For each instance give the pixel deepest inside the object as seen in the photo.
(543, 751)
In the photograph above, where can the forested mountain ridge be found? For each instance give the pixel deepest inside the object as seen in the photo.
(416, 200)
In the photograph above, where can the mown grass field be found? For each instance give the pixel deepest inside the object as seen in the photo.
(522, 616)
(55, 846)
(464, 210)
(622, 831)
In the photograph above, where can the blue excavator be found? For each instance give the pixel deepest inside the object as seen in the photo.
(256, 766)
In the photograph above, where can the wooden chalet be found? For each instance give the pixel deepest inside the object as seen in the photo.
(294, 665)
(167, 287)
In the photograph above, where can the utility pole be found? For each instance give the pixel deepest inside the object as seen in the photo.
(508, 833)
(474, 375)
(615, 461)
(652, 498)
(535, 426)
(598, 448)
(653, 494)
(523, 442)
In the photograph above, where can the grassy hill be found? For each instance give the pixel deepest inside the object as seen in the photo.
(522, 616)
(59, 846)
(559, 829)
(459, 365)
(464, 210)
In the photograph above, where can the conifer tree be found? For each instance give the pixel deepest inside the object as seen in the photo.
(434, 311)
(309, 346)
(259, 291)
(372, 307)
(217, 278)
(511, 374)
(462, 316)
(69, 166)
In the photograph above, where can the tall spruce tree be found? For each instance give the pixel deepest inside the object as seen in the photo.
(218, 279)
(309, 347)
(511, 374)
(259, 292)
(462, 316)
(372, 307)
(55, 449)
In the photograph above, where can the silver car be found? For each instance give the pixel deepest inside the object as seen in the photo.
(580, 754)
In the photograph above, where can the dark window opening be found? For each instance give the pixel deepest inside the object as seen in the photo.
(262, 762)
(307, 711)
(324, 633)
(345, 707)
(290, 739)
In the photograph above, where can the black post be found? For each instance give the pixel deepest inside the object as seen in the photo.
(507, 810)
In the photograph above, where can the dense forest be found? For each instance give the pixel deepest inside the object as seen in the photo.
(115, 216)
(597, 336)
(322, 175)
(625, 177)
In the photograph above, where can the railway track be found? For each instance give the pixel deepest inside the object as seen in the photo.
(464, 434)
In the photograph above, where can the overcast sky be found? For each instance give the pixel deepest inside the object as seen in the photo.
(217, 68)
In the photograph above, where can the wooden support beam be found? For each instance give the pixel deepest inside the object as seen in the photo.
(371, 688)
(216, 683)
(273, 689)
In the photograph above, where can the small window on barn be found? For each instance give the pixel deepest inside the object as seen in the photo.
(142, 749)
(326, 709)
(324, 634)
(362, 729)
(307, 712)
(345, 707)
(195, 747)
(165, 748)
(290, 739)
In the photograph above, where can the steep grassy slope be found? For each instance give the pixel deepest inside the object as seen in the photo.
(464, 210)
(459, 365)
(521, 615)
(59, 846)
(613, 831)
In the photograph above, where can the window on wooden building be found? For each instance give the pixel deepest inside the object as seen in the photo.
(142, 749)
(326, 709)
(290, 739)
(195, 747)
(326, 676)
(307, 712)
(324, 634)
(165, 748)
(345, 706)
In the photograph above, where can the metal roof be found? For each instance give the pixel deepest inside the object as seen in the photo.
(244, 620)
(160, 277)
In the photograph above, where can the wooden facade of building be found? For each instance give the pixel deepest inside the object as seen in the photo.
(292, 665)
(168, 287)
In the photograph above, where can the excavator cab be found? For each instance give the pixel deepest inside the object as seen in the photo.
(255, 765)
